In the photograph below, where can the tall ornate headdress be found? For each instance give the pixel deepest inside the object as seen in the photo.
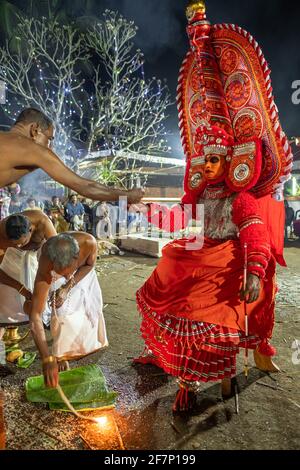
(225, 82)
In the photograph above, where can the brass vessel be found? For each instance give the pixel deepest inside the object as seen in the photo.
(12, 338)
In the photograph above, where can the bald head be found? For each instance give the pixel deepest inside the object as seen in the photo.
(62, 250)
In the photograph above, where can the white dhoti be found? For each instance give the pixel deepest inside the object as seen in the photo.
(21, 266)
(79, 328)
(77, 222)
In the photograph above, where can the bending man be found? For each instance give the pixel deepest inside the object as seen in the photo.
(21, 236)
(68, 261)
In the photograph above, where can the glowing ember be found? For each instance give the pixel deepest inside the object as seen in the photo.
(102, 421)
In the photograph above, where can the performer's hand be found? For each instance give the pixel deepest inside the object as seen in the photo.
(252, 291)
(50, 371)
(135, 195)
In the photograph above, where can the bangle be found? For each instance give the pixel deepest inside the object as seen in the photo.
(48, 360)
(20, 290)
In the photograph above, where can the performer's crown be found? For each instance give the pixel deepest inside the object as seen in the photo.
(195, 7)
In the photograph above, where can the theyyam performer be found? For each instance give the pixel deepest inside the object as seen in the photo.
(194, 306)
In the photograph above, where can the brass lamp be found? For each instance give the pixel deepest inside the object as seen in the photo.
(12, 338)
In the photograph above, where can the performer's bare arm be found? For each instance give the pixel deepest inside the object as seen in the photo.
(35, 155)
(39, 299)
(49, 228)
(90, 262)
(45, 230)
(9, 281)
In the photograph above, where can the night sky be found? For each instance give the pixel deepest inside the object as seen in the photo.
(275, 24)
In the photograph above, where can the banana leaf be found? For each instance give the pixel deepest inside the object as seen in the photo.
(82, 386)
(26, 360)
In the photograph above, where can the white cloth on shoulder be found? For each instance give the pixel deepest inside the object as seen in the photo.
(22, 266)
(79, 328)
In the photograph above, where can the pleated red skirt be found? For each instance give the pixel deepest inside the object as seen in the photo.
(192, 319)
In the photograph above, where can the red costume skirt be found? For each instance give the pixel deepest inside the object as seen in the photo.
(193, 321)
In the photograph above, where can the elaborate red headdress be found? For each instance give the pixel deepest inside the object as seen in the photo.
(225, 84)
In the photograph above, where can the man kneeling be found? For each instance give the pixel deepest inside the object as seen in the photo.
(66, 267)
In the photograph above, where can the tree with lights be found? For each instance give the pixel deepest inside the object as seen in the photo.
(43, 73)
(91, 84)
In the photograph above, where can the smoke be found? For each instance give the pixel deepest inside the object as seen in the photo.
(39, 186)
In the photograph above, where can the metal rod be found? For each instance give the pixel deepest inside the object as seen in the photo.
(236, 396)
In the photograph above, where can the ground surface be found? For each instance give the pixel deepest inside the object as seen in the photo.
(268, 418)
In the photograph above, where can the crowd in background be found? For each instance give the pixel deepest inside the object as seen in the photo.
(69, 213)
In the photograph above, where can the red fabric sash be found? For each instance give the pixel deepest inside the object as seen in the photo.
(204, 284)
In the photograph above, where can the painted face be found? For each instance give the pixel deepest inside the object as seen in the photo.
(214, 167)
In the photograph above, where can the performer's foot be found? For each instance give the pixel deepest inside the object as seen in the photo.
(226, 387)
(264, 363)
(146, 358)
(184, 401)
(186, 396)
(63, 365)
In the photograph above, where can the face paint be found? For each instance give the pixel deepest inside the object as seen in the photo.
(214, 167)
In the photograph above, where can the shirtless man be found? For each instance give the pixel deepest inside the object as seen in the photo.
(72, 255)
(21, 235)
(25, 148)
(39, 229)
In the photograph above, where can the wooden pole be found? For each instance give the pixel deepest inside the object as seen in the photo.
(2, 423)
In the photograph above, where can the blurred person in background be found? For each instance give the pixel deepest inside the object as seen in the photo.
(74, 213)
(6, 194)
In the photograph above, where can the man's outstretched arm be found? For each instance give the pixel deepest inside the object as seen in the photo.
(48, 161)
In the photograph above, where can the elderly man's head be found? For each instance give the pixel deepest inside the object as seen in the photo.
(63, 252)
(18, 230)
